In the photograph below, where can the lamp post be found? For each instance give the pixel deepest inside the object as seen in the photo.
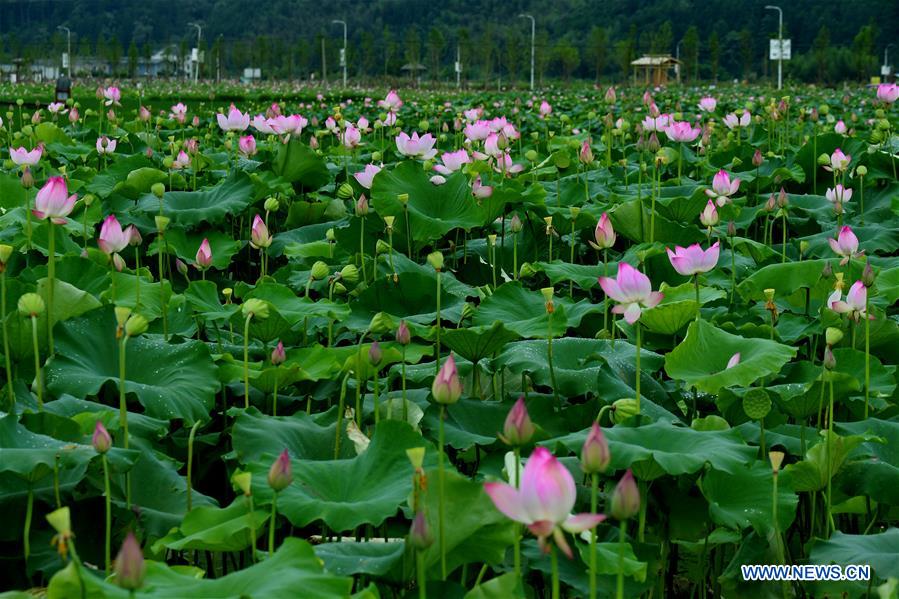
(780, 43)
(677, 58)
(886, 60)
(69, 47)
(533, 40)
(197, 63)
(342, 58)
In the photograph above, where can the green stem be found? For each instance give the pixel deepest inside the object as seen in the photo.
(517, 551)
(422, 580)
(831, 527)
(652, 210)
(252, 529)
(549, 355)
(341, 406)
(275, 399)
(377, 400)
(554, 559)
(9, 386)
(271, 524)
(51, 273)
(437, 354)
(515, 256)
(362, 245)
(123, 414)
(440, 502)
(108, 502)
(246, 362)
(867, 356)
(620, 587)
(38, 377)
(190, 464)
(29, 510)
(594, 492)
(733, 271)
(777, 539)
(637, 381)
(405, 407)
(698, 305)
(137, 282)
(783, 251)
(165, 321)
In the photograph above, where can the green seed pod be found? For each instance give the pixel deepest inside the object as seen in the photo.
(345, 191)
(320, 270)
(531, 155)
(136, 325)
(756, 403)
(435, 259)
(623, 409)
(271, 205)
(31, 304)
(257, 307)
(158, 190)
(350, 274)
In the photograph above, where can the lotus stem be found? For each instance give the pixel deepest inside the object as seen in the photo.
(377, 399)
(9, 385)
(271, 524)
(362, 245)
(619, 594)
(246, 361)
(29, 511)
(422, 579)
(123, 413)
(637, 381)
(515, 256)
(554, 560)
(830, 525)
(108, 504)
(38, 376)
(698, 304)
(867, 356)
(405, 407)
(549, 357)
(440, 503)
(190, 464)
(51, 274)
(437, 354)
(275, 398)
(594, 492)
(340, 409)
(517, 551)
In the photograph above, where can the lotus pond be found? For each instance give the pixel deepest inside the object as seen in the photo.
(578, 343)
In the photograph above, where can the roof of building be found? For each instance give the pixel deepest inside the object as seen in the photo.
(650, 60)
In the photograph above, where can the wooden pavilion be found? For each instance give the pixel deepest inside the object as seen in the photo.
(653, 69)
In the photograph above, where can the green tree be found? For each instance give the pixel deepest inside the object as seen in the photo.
(596, 49)
(820, 49)
(390, 50)
(690, 54)
(746, 51)
(714, 54)
(488, 49)
(436, 47)
(132, 59)
(662, 40)
(366, 62)
(567, 58)
(863, 51)
(413, 46)
(512, 54)
(627, 48)
(542, 54)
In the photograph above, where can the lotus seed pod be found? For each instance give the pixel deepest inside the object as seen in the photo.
(339, 288)
(350, 274)
(402, 198)
(531, 155)
(756, 403)
(271, 205)
(862, 170)
(136, 325)
(162, 223)
(833, 336)
(5, 254)
(435, 259)
(31, 304)
(491, 240)
(330, 235)
(624, 409)
(227, 292)
(526, 270)
(243, 481)
(776, 458)
(345, 191)
(389, 220)
(257, 307)
(416, 456)
(122, 314)
(319, 271)
(382, 247)
(376, 156)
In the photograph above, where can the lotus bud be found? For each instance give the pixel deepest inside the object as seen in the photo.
(447, 388)
(31, 304)
(181, 266)
(136, 325)
(757, 159)
(833, 336)
(280, 475)
(101, 439)
(158, 190)
(255, 307)
(782, 199)
(403, 336)
(362, 205)
(278, 356)
(162, 223)
(625, 502)
(595, 456)
(350, 274)
(319, 271)
(243, 481)
(624, 409)
(420, 536)
(345, 191)
(515, 224)
(731, 228)
(868, 275)
(122, 314)
(5, 254)
(375, 355)
(134, 236)
(271, 205)
(518, 428)
(402, 198)
(830, 361)
(27, 178)
(435, 259)
(130, 567)
(330, 236)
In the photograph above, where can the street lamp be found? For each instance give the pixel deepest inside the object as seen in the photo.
(197, 62)
(780, 43)
(343, 52)
(69, 47)
(533, 38)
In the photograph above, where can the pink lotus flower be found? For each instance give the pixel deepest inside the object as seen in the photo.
(504, 164)
(734, 360)
(604, 233)
(204, 255)
(709, 216)
(261, 124)
(351, 137)
(390, 121)
(112, 95)
(112, 238)
(437, 179)
(518, 428)
(839, 194)
(56, 108)
(544, 501)
(545, 109)
(840, 128)
(246, 145)
(839, 161)
(595, 456)
(287, 125)
(473, 114)
(182, 161)
(708, 104)
(365, 177)
(722, 188)
(278, 356)
(477, 131)
(682, 132)
(494, 145)
(415, 146)
(845, 245)
(143, 114)
(53, 201)
(479, 190)
(392, 102)
(259, 235)
(101, 440)
(73, 116)
(731, 121)
(632, 291)
(657, 123)
(105, 145)
(452, 162)
(447, 388)
(610, 96)
(888, 92)
(693, 260)
(854, 305)
(179, 112)
(22, 157)
(586, 153)
(235, 121)
(280, 475)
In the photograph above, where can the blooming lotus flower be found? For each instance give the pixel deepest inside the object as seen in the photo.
(708, 104)
(839, 194)
(693, 260)
(505, 165)
(544, 501)
(479, 190)
(656, 123)
(363, 125)
(105, 145)
(246, 145)
(351, 137)
(545, 109)
(259, 235)
(888, 92)
(845, 245)
(182, 161)
(722, 188)
(734, 360)
(113, 238)
(731, 121)
(839, 161)
(477, 131)
(632, 291)
(392, 102)
(179, 112)
(447, 388)
(473, 114)
(494, 145)
(56, 108)
(53, 201)
(390, 121)
(234, 121)
(604, 233)
(840, 127)
(415, 146)
(287, 125)
(23, 157)
(204, 255)
(854, 305)
(518, 428)
(261, 123)
(452, 162)
(709, 216)
(365, 177)
(112, 95)
(280, 475)
(682, 132)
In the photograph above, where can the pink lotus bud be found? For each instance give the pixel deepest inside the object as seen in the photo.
(625, 498)
(278, 355)
(180, 266)
(101, 439)
(27, 178)
(610, 95)
(403, 337)
(259, 235)
(757, 158)
(362, 205)
(375, 355)
(247, 145)
(734, 360)
(595, 456)
(709, 216)
(586, 153)
(518, 428)
(868, 275)
(280, 475)
(134, 236)
(830, 361)
(604, 233)
(143, 114)
(53, 201)
(420, 536)
(196, 121)
(204, 255)
(130, 568)
(447, 388)
(840, 128)
(73, 115)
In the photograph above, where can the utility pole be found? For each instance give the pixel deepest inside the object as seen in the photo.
(342, 52)
(459, 67)
(780, 43)
(677, 58)
(197, 61)
(533, 42)
(69, 48)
